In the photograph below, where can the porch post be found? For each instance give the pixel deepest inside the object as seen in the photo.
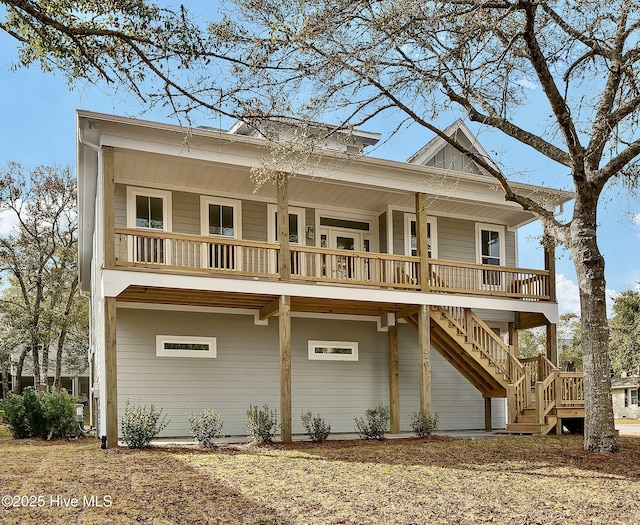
(394, 391)
(111, 369)
(424, 345)
(421, 239)
(284, 324)
(550, 266)
(513, 338)
(552, 343)
(108, 206)
(284, 258)
(488, 422)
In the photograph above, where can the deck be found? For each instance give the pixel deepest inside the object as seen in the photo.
(259, 260)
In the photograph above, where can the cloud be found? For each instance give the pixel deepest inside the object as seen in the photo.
(568, 295)
(8, 221)
(527, 84)
(636, 222)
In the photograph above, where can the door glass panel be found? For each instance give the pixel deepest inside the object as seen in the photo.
(414, 239)
(345, 243)
(294, 232)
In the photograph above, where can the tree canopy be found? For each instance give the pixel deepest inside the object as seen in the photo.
(625, 333)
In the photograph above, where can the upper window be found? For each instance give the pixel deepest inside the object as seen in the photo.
(148, 208)
(411, 239)
(296, 224)
(333, 350)
(490, 244)
(220, 217)
(633, 397)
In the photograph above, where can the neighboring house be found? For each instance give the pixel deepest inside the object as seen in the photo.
(625, 392)
(195, 302)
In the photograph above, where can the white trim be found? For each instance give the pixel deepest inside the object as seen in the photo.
(272, 209)
(351, 345)
(161, 351)
(432, 221)
(480, 226)
(389, 221)
(167, 209)
(206, 200)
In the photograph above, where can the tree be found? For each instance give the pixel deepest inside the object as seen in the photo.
(532, 342)
(625, 333)
(351, 61)
(39, 258)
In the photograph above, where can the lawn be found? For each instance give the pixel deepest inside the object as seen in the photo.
(511, 480)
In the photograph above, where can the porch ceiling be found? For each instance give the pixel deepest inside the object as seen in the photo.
(165, 171)
(153, 295)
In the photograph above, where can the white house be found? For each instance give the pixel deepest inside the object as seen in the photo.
(393, 282)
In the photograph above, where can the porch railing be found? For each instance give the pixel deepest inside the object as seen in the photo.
(222, 255)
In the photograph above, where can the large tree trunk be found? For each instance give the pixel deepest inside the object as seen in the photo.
(44, 367)
(599, 430)
(35, 353)
(5, 378)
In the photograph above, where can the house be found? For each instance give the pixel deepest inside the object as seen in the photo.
(625, 392)
(357, 281)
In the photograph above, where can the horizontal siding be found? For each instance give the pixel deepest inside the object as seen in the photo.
(382, 229)
(121, 206)
(254, 221)
(456, 240)
(246, 371)
(186, 212)
(398, 232)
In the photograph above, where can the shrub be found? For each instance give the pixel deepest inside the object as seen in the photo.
(374, 424)
(141, 424)
(58, 411)
(316, 428)
(206, 427)
(49, 415)
(424, 424)
(262, 423)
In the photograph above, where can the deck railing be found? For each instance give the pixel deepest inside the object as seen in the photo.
(571, 387)
(223, 255)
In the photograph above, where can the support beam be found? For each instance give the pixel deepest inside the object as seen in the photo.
(552, 343)
(488, 421)
(421, 239)
(285, 368)
(284, 258)
(394, 390)
(269, 309)
(513, 338)
(424, 345)
(111, 369)
(108, 207)
(411, 310)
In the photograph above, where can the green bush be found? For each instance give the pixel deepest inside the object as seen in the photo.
(315, 427)
(206, 427)
(50, 415)
(374, 424)
(141, 424)
(262, 423)
(424, 424)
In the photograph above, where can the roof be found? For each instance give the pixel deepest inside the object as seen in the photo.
(625, 382)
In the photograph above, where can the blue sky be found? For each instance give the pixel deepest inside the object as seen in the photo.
(37, 126)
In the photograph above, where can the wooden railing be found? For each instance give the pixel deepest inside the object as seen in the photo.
(223, 255)
(455, 277)
(571, 389)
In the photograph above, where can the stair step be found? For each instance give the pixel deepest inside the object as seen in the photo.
(525, 428)
(527, 418)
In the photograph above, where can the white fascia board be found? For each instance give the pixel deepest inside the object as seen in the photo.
(115, 282)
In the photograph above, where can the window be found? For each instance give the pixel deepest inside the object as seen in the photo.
(633, 397)
(220, 217)
(185, 346)
(490, 244)
(297, 228)
(411, 241)
(333, 350)
(148, 208)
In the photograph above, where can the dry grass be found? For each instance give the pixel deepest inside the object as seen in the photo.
(513, 481)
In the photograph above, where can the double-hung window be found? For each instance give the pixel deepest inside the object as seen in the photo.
(150, 210)
(221, 218)
(411, 238)
(490, 245)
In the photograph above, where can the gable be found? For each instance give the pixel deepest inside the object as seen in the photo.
(440, 154)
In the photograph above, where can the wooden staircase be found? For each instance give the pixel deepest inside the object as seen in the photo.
(537, 392)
